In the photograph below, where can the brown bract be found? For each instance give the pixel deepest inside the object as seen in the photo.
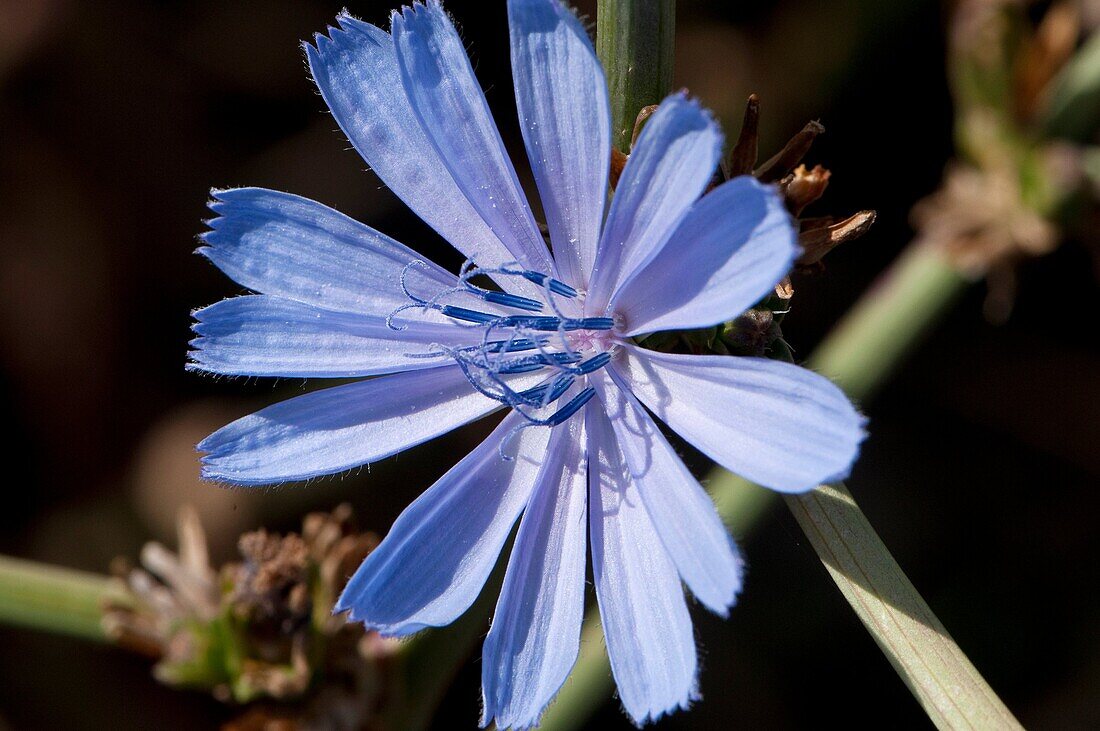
(757, 332)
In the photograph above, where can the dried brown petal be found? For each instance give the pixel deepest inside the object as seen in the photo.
(784, 290)
(643, 114)
(803, 187)
(1044, 55)
(791, 154)
(618, 163)
(818, 241)
(742, 158)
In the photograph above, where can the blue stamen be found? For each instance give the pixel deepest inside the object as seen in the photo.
(462, 313)
(570, 408)
(556, 286)
(529, 363)
(592, 365)
(487, 364)
(551, 324)
(595, 323)
(510, 346)
(508, 300)
(547, 393)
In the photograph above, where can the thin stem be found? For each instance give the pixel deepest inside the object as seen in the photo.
(634, 40)
(590, 685)
(427, 663)
(888, 321)
(52, 599)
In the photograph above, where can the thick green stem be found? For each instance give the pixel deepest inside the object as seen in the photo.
(859, 354)
(52, 599)
(943, 680)
(634, 40)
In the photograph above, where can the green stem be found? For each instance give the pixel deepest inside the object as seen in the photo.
(943, 680)
(859, 354)
(634, 40)
(52, 599)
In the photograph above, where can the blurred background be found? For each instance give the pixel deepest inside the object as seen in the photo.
(116, 117)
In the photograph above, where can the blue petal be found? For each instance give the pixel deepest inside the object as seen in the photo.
(441, 549)
(562, 100)
(356, 71)
(535, 636)
(286, 245)
(261, 335)
(642, 608)
(668, 170)
(727, 253)
(774, 423)
(681, 511)
(452, 110)
(342, 427)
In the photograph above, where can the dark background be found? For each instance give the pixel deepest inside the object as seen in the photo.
(116, 117)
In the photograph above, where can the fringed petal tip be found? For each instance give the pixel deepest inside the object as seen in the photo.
(410, 12)
(194, 360)
(215, 204)
(859, 434)
(503, 722)
(684, 96)
(724, 607)
(219, 198)
(333, 38)
(653, 715)
(352, 614)
(499, 718)
(215, 476)
(847, 456)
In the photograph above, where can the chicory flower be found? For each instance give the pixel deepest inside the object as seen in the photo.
(578, 460)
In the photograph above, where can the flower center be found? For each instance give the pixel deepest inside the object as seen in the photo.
(537, 338)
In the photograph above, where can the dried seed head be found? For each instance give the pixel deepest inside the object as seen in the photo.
(750, 334)
(261, 628)
(979, 220)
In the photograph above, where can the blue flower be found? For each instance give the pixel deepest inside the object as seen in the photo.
(578, 460)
